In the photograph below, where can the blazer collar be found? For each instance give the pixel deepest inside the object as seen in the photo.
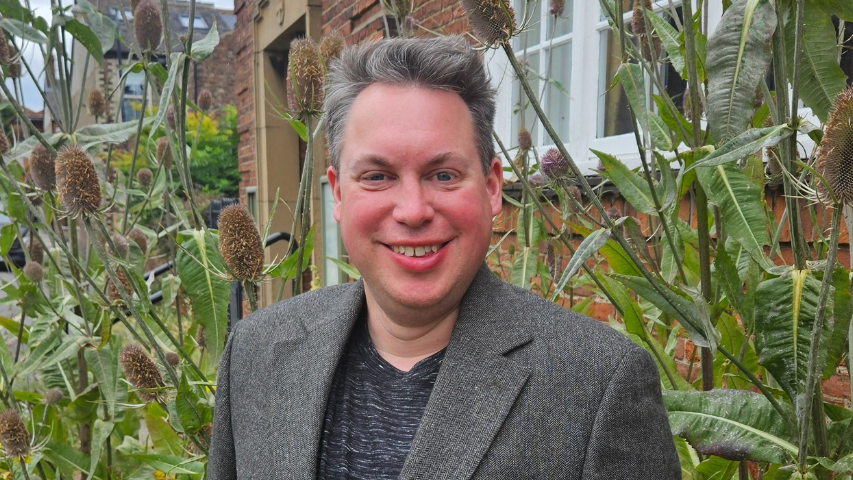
(475, 389)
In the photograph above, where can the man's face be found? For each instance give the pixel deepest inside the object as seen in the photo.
(414, 206)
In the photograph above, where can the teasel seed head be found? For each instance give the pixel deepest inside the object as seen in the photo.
(551, 261)
(144, 176)
(113, 293)
(525, 141)
(205, 99)
(553, 164)
(835, 158)
(164, 153)
(43, 168)
(137, 236)
(77, 182)
(306, 78)
(493, 21)
(4, 48)
(173, 359)
(34, 271)
(140, 371)
(556, 7)
(4, 143)
(170, 116)
(36, 250)
(120, 244)
(97, 103)
(638, 26)
(240, 244)
(148, 25)
(575, 192)
(14, 69)
(331, 46)
(14, 436)
(52, 396)
(199, 337)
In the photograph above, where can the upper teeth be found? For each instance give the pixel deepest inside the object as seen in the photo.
(418, 251)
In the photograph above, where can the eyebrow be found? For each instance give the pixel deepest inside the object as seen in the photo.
(377, 161)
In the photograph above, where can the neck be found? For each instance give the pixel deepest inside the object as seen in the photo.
(403, 342)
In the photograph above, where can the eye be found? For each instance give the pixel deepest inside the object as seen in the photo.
(374, 177)
(443, 176)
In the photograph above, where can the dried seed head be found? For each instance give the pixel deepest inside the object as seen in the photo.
(614, 213)
(77, 182)
(120, 244)
(4, 48)
(97, 103)
(36, 250)
(575, 192)
(4, 143)
(14, 436)
(306, 78)
(14, 69)
(493, 21)
(331, 46)
(525, 142)
(164, 153)
(144, 176)
(140, 371)
(133, 5)
(52, 396)
(240, 244)
(34, 272)
(554, 164)
(205, 99)
(173, 359)
(137, 236)
(835, 158)
(43, 168)
(112, 291)
(170, 116)
(148, 25)
(638, 26)
(556, 7)
(199, 337)
(551, 260)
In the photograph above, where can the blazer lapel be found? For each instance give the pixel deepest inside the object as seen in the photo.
(308, 359)
(475, 389)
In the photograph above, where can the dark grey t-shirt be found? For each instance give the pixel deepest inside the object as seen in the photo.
(373, 412)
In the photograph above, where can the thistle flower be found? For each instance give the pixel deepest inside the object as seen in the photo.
(34, 272)
(556, 7)
(147, 24)
(97, 103)
(493, 21)
(77, 182)
(120, 244)
(144, 177)
(614, 213)
(14, 436)
(4, 143)
(173, 359)
(140, 370)
(331, 46)
(113, 293)
(537, 180)
(638, 26)
(36, 250)
(137, 236)
(240, 244)
(205, 99)
(52, 396)
(553, 164)
(525, 142)
(835, 158)
(305, 78)
(164, 153)
(43, 168)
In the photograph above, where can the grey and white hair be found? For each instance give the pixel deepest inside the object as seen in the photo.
(443, 63)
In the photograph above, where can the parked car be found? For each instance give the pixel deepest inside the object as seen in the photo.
(16, 253)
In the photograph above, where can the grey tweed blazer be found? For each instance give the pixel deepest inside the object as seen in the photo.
(527, 390)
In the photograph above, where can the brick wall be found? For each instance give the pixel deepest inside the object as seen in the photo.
(244, 93)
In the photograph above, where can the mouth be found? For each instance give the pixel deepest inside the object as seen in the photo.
(417, 250)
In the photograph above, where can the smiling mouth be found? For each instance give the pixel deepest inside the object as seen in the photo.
(418, 251)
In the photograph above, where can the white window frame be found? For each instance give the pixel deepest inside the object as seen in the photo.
(128, 98)
(333, 247)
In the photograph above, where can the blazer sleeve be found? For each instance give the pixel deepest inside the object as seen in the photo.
(630, 436)
(221, 463)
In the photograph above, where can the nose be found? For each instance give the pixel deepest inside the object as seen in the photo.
(413, 205)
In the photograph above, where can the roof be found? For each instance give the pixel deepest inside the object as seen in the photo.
(178, 23)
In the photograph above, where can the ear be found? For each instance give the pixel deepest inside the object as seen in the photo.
(494, 185)
(332, 176)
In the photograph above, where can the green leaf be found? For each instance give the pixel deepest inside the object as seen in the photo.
(732, 424)
(287, 268)
(617, 259)
(14, 9)
(842, 313)
(842, 9)
(670, 40)
(299, 128)
(821, 78)
(630, 184)
(688, 459)
(198, 261)
(632, 314)
(100, 433)
(524, 267)
(177, 60)
(108, 133)
(164, 438)
(103, 26)
(660, 133)
(785, 310)
(23, 30)
(204, 47)
(591, 244)
(738, 54)
(726, 274)
(82, 34)
(746, 144)
(66, 458)
(104, 365)
(741, 206)
(630, 76)
(172, 464)
(726, 374)
(192, 414)
(346, 268)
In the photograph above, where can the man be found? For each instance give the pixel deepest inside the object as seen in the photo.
(429, 367)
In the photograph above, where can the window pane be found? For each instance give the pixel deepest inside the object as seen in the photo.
(527, 116)
(613, 115)
(131, 109)
(530, 36)
(558, 90)
(133, 83)
(562, 25)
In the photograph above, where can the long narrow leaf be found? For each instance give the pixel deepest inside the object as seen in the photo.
(586, 249)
